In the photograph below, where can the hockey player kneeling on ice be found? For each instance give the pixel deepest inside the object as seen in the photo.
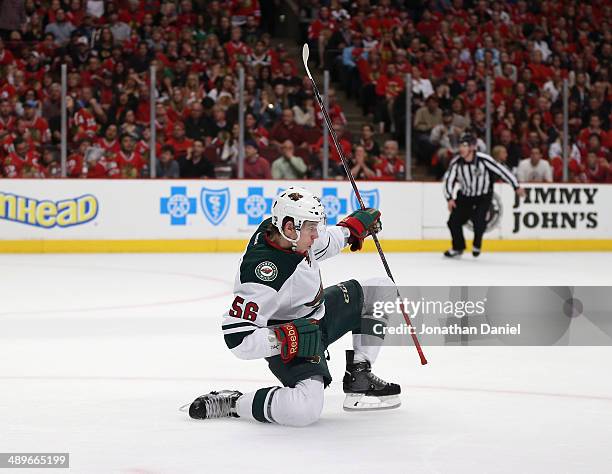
(281, 312)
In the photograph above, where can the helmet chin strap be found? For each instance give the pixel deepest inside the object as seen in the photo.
(293, 241)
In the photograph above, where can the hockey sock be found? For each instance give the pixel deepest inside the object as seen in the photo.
(368, 340)
(366, 347)
(256, 405)
(290, 406)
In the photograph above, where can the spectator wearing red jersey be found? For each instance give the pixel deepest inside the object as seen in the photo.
(129, 163)
(390, 167)
(319, 31)
(255, 131)
(334, 110)
(186, 16)
(594, 146)
(76, 160)
(368, 67)
(179, 142)
(34, 68)
(84, 119)
(388, 87)
(286, 129)
(8, 121)
(144, 144)
(237, 50)
(505, 80)
(38, 126)
(472, 97)
(95, 165)
(163, 123)
(241, 10)
(109, 142)
(318, 25)
(596, 169)
(7, 90)
(21, 161)
(541, 73)
(132, 15)
(334, 158)
(6, 57)
(428, 26)
(594, 128)
(255, 167)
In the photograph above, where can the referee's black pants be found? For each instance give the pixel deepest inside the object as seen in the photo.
(469, 208)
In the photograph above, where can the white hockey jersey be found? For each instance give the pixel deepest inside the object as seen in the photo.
(275, 285)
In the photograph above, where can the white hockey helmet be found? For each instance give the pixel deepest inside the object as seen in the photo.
(299, 204)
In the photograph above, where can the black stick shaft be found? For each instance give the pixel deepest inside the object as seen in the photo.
(345, 164)
(348, 173)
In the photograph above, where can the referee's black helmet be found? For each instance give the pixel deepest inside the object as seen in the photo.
(467, 139)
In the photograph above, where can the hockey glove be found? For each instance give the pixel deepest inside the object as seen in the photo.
(299, 338)
(361, 223)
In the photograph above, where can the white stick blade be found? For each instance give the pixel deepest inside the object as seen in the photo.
(305, 54)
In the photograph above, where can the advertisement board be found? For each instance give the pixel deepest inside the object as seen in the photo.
(194, 215)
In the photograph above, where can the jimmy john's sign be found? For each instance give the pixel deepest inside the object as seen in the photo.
(557, 208)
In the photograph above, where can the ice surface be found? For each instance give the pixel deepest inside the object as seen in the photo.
(98, 351)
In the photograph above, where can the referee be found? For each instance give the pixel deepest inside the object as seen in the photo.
(475, 173)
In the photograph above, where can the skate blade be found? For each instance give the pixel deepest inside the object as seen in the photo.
(361, 402)
(185, 408)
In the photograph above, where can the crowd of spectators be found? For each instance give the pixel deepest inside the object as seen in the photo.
(197, 49)
(197, 46)
(450, 47)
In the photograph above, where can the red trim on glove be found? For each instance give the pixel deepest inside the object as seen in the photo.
(354, 225)
(288, 336)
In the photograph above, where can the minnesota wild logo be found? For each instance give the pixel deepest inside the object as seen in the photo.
(266, 271)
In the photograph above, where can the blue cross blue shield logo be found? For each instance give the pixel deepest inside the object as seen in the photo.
(371, 198)
(178, 205)
(255, 206)
(215, 204)
(334, 206)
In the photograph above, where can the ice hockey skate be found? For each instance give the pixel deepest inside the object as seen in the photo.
(453, 253)
(366, 391)
(220, 404)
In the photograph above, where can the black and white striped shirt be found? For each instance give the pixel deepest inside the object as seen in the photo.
(475, 178)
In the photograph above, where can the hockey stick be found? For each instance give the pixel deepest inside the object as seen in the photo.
(332, 132)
